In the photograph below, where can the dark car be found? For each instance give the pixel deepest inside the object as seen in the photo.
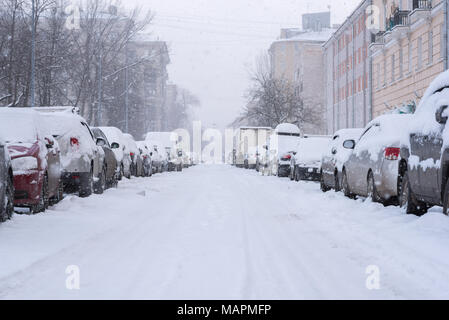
(35, 159)
(110, 160)
(6, 184)
(424, 167)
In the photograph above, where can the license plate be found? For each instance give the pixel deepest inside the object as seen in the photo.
(311, 170)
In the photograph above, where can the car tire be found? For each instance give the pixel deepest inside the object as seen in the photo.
(292, 174)
(407, 199)
(43, 199)
(337, 186)
(446, 198)
(100, 185)
(323, 185)
(345, 186)
(87, 185)
(371, 188)
(9, 198)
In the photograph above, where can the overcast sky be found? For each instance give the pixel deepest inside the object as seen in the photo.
(213, 44)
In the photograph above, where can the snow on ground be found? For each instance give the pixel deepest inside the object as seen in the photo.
(217, 232)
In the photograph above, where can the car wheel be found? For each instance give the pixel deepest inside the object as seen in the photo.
(100, 185)
(323, 185)
(407, 199)
(297, 177)
(87, 185)
(337, 186)
(9, 199)
(345, 186)
(371, 189)
(446, 198)
(43, 198)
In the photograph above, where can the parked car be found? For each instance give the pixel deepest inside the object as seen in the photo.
(306, 160)
(250, 157)
(117, 140)
(335, 156)
(424, 159)
(6, 184)
(82, 160)
(110, 160)
(281, 147)
(146, 156)
(157, 155)
(372, 168)
(35, 159)
(176, 160)
(136, 157)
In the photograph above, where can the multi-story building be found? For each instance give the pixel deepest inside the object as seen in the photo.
(152, 59)
(298, 57)
(409, 52)
(347, 73)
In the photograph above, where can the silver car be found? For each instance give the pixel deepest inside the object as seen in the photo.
(6, 185)
(372, 169)
(334, 158)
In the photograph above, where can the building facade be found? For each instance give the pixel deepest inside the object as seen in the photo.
(409, 52)
(348, 73)
(298, 57)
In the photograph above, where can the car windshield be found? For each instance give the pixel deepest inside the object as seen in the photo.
(17, 128)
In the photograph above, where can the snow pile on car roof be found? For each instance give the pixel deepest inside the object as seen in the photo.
(19, 125)
(310, 150)
(287, 128)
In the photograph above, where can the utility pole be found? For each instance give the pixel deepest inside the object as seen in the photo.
(33, 53)
(100, 89)
(126, 92)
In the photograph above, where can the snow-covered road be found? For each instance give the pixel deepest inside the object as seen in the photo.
(217, 232)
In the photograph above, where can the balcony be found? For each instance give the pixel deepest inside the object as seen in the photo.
(422, 4)
(400, 18)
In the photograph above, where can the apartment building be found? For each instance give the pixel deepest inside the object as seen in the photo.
(298, 57)
(408, 53)
(347, 73)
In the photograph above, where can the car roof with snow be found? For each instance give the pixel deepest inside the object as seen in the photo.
(287, 128)
(20, 125)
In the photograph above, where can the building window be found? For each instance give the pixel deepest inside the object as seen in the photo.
(401, 63)
(378, 75)
(385, 71)
(419, 64)
(430, 46)
(392, 68)
(410, 56)
(442, 40)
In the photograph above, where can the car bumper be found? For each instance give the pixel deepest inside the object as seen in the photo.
(387, 180)
(27, 189)
(74, 179)
(284, 170)
(309, 174)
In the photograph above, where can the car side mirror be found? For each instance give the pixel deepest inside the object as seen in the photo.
(151, 154)
(439, 115)
(349, 144)
(101, 142)
(115, 145)
(334, 151)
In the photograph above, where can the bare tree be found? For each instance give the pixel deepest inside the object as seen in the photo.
(271, 100)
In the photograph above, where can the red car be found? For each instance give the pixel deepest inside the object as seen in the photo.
(35, 159)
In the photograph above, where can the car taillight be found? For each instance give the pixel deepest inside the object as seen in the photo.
(392, 153)
(132, 154)
(287, 157)
(74, 142)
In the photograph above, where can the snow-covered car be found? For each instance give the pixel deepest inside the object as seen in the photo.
(306, 160)
(110, 161)
(372, 168)
(282, 144)
(146, 157)
(334, 158)
(118, 142)
(6, 184)
(82, 160)
(136, 157)
(425, 155)
(35, 159)
(176, 160)
(157, 155)
(250, 161)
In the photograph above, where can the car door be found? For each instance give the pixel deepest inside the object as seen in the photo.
(362, 159)
(329, 160)
(54, 164)
(98, 161)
